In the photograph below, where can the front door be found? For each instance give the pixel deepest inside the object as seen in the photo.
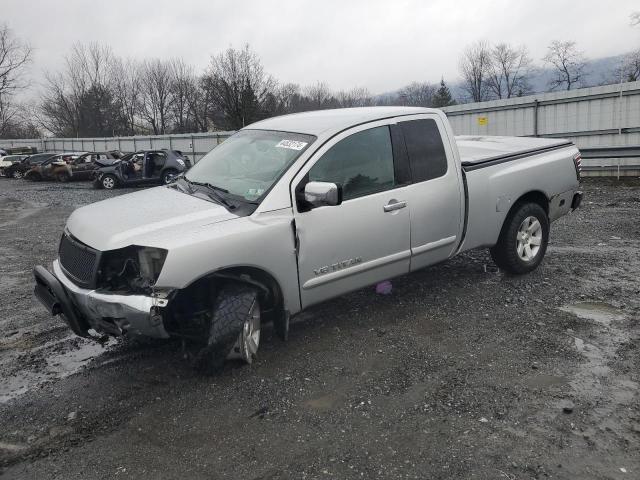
(131, 169)
(365, 239)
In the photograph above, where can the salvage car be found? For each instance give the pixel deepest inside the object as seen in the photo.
(145, 167)
(53, 168)
(18, 170)
(295, 210)
(83, 166)
(8, 161)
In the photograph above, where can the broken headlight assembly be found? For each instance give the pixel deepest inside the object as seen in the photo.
(132, 269)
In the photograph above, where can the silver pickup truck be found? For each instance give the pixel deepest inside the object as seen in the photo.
(298, 209)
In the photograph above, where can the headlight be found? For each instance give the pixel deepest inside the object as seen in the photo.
(180, 161)
(132, 269)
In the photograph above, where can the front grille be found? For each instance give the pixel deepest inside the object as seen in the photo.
(78, 260)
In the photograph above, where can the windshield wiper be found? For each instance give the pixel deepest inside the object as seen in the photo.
(213, 192)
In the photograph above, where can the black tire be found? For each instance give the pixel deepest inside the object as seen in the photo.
(231, 310)
(17, 174)
(506, 253)
(34, 177)
(168, 176)
(108, 181)
(63, 177)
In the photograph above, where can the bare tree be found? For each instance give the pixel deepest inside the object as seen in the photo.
(156, 96)
(183, 86)
(568, 64)
(14, 57)
(79, 101)
(288, 97)
(127, 92)
(202, 105)
(356, 97)
(628, 70)
(240, 87)
(319, 95)
(508, 71)
(417, 94)
(474, 67)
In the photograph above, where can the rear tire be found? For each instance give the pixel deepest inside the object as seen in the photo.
(523, 239)
(234, 329)
(168, 176)
(63, 177)
(108, 182)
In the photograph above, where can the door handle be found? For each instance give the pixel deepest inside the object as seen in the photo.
(394, 205)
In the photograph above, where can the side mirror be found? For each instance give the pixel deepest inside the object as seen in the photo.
(320, 194)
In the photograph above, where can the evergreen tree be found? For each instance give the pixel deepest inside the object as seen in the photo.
(442, 97)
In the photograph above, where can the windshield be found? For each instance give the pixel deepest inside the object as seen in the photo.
(248, 163)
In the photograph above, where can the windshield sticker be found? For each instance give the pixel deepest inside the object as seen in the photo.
(291, 144)
(255, 192)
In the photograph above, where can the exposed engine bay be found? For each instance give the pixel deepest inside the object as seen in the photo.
(132, 269)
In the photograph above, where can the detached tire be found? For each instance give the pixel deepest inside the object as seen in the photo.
(234, 329)
(523, 239)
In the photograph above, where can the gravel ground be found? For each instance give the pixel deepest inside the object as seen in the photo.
(462, 372)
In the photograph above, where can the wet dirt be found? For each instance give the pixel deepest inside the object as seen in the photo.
(462, 372)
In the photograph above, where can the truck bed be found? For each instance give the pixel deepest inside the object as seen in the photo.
(480, 151)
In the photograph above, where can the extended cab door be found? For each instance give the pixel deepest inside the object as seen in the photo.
(366, 238)
(436, 194)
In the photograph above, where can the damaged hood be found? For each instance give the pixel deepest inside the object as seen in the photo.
(148, 217)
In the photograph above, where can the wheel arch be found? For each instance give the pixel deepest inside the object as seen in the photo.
(533, 196)
(271, 294)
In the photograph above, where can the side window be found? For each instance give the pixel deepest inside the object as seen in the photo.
(425, 149)
(361, 163)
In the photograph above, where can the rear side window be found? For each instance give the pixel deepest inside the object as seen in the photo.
(425, 149)
(362, 163)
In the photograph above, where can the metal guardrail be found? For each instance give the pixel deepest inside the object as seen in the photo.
(627, 151)
(611, 152)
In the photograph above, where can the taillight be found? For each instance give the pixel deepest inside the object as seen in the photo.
(577, 162)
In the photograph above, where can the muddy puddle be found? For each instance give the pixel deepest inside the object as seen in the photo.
(599, 312)
(55, 360)
(595, 382)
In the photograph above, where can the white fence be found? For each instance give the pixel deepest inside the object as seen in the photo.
(194, 145)
(590, 117)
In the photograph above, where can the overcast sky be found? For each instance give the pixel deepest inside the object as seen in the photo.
(380, 45)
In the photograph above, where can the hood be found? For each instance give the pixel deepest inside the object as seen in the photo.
(148, 217)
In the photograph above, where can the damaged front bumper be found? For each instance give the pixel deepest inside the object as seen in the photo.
(84, 309)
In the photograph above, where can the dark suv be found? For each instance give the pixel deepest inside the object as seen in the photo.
(145, 167)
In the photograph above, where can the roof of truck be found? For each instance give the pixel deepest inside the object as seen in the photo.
(329, 121)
